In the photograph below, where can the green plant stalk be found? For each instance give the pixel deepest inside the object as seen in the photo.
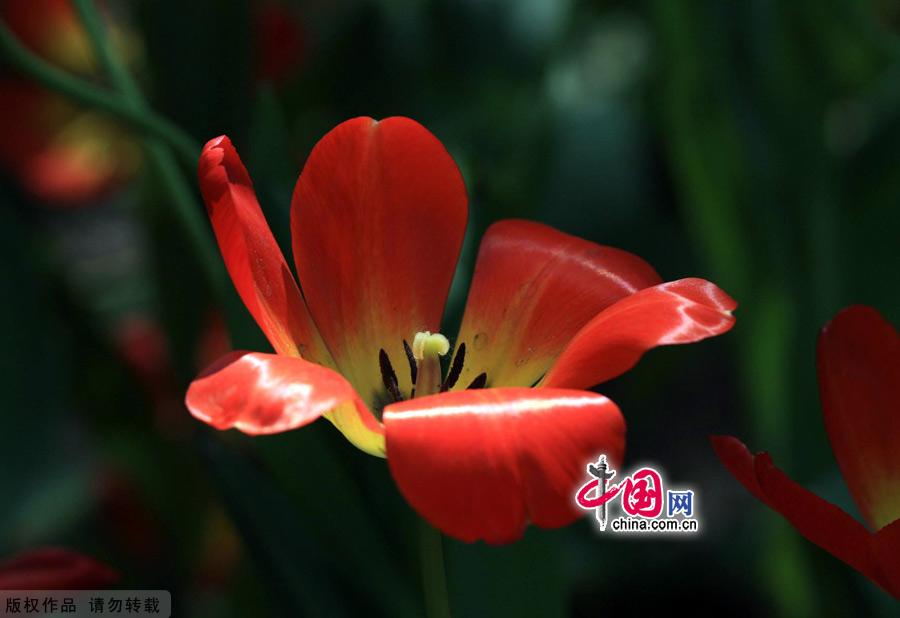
(434, 579)
(109, 60)
(158, 152)
(22, 60)
(189, 213)
(707, 189)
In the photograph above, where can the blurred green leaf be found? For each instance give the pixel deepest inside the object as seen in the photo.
(335, 508)
(288, 557)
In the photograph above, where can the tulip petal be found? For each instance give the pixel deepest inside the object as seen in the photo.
(739, 461)
(682, 311)
(886, 545)
(819, 521)
(377, 220)
(269, 393)
(534, 287)
(859, 383)
(254, 261)
(51, 568)
(483, 464)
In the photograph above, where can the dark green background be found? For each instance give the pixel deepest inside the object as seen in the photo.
(752, 143)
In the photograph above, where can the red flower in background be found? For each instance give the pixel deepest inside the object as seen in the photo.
(281, 41)
(859, 383)
(377, 220)
(144, 347)
(54, 569)
(59, 152)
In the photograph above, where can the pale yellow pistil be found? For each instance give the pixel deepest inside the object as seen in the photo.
(427, 348)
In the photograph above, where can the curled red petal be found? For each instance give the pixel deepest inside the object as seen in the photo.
(534, 287)
(859, 383)
(482, 464)
(816, 519)
(682, 311)
(52, 568)
(252, 256)
(739, 461)
(268, 393)
(886, 545)
(377, 219)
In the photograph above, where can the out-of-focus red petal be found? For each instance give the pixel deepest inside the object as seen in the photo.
(252, 256)
(859, 382)
(886, 545)
(534, 287)
(682, 311)
(281, 41)
(816, 519)
(60, 154)
(42, 25)
(214, 340)
(27, 132)
(51, 568)
(739, 461)
(270, 393)
(377, 220)
(481, 464)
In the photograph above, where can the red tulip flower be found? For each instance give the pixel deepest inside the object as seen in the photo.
(859, 383)
(377, 220)
(53, 568)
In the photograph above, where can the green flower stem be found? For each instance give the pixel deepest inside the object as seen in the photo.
(159, 150)
(22, 60)
(701, 126)
(112, 65)
(189, 212)
(434, 580)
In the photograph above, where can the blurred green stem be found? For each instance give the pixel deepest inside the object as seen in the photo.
(161, 158)
(434, 579)
(112, 66)
(709, 154)
(25, 62)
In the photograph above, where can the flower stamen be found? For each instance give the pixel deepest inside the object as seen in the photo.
(427, 348)
(389, 376)
(425, 371)
(455, 368)
(479, 382)
(413, 369)
(427, 344)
